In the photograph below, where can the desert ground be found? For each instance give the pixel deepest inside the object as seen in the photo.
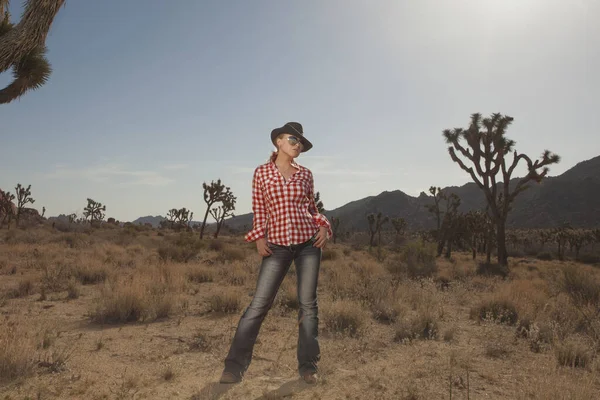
(130, 313)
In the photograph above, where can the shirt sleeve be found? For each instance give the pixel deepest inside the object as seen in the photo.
(319, 219)
(259, 210)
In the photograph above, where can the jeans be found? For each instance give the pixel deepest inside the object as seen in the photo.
(273, 270)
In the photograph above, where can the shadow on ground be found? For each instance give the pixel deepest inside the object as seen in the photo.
(212, 391)
(285, 390)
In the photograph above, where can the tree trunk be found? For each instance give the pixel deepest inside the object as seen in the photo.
(204, 221)
(501, 241)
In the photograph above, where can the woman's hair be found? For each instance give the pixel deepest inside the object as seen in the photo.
(274, 153)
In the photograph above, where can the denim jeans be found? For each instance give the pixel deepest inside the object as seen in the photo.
(273, 270)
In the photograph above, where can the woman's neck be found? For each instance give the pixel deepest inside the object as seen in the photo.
(283, 160)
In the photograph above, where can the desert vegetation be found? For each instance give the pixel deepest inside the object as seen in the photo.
(117, 312)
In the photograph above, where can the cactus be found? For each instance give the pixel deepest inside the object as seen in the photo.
(487, 149)
(23, 197)
(22, 46)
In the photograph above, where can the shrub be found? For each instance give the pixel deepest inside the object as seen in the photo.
(16, 352)
(545, 256)
(228, 301)
(141, 298)
(200, 275)
(421, 326)
(183, 248)
(416, 259)
(501, 311)
(491, 269)
(573, 355)
(581, 285)
(346, 318)
(329, 254)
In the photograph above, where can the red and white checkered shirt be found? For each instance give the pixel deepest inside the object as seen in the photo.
(284, 212)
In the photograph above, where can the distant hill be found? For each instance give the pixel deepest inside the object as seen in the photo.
(573, 197)
(154, 221)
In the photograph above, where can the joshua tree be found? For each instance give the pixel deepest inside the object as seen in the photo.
(213, 193)
(224, 210)
(172, 216)
(450, 224)
(22, 46)
(7, 208)
(376, 221)
(399, 226)
(94, 211)
(335, 225)
(434, 208)
(319, 203)
(487, 149)
(22, 199)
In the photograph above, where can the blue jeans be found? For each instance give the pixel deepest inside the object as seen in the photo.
(274, 268)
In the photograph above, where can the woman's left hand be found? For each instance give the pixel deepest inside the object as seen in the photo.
(321, 238)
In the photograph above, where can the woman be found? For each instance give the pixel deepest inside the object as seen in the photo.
(286, 227)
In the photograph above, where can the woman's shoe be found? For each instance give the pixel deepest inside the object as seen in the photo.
(310, 377)
(229, 377)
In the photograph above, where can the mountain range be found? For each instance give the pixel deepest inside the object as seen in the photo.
(572, 197)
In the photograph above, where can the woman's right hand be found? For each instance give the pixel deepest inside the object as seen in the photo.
(263, 247)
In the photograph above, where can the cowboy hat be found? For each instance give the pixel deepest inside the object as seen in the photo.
(294, 129)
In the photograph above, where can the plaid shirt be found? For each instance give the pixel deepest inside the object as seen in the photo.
(287, 210)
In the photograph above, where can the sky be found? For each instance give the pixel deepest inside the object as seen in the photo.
(149, 99)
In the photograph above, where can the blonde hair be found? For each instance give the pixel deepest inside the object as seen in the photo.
(274, 153)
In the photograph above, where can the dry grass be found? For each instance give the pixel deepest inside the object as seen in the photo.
(83, 312)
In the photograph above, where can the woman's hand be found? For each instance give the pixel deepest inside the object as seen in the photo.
(321, 238)
(263, 247)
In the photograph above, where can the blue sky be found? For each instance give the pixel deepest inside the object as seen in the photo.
(149, 99)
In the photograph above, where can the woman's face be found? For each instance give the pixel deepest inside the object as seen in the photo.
(290, 145)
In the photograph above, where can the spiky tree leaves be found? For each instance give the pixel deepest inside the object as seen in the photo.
(213, 193)
(179, 218)
(22, 46)
(335, 226)
(399, 225)
(94, 211)
(434, 208)
(23, 197)
(7, 208)
(483, 151)
(225, 210)
(319, 203)
(376, 221)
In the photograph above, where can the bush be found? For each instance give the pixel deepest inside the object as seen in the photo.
(422, 326)
(545, 256)
(329, 254)
(141, 298)
(200, 275)
(226, 302)
(416, 259)
(491, 269)
(573, 355)
(581, 285)
(184, 248)
(17, 354)
(502, 311)
(346, 318)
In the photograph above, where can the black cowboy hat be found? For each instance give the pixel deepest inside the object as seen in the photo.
(294, 129)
